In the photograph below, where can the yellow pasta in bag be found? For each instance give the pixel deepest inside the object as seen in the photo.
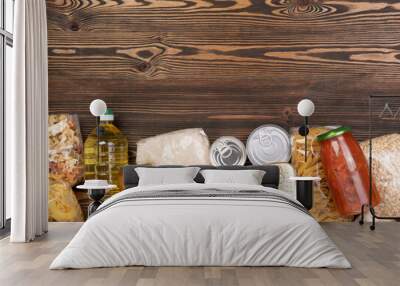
(63, 205)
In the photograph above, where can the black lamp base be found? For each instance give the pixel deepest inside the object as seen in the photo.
(304, 193)
(96, 195)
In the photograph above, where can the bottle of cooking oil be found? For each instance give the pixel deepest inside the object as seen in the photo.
(113, 153)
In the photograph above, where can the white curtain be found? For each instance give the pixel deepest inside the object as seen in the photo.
(26, 123)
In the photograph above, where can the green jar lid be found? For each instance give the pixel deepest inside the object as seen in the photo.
(333, 133)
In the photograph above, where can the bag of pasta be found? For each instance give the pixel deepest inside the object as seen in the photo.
(324, 208)
(63, 205)
(65, 149)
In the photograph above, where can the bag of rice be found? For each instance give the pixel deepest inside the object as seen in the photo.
(181, 147)
(385, 171)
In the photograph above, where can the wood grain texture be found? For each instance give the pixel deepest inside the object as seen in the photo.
(375, 258)
(227, 66)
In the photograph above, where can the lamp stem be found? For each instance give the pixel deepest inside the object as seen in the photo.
(98, 145)
(305, 138)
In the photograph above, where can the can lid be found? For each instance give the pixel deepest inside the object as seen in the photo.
(268, 144)
(227, 151)
(107, 116)
(333, 133)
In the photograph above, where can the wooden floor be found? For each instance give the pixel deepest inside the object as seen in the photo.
(375, 257)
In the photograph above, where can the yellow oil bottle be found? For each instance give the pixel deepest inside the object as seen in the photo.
(113, 151)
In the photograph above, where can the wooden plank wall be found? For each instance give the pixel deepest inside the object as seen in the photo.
(227, 66)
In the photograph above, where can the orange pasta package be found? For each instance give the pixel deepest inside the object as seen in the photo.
(65, 149)
(324, 208)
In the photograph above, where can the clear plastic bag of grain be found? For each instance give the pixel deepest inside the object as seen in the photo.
(324, 208)
(385, 171)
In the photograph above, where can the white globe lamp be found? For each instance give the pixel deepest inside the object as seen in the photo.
(305, 108)
(98, 107)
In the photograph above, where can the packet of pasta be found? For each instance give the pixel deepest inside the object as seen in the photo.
(324, 208)
(65, 149)
(63, 205)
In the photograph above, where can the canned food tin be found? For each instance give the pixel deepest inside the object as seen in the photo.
(227, 151)
(268, 144)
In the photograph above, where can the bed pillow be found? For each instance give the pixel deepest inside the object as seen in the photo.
(245, 177)
(166, 176)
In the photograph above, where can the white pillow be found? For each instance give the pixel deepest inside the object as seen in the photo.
(245, 177)
(166, 176)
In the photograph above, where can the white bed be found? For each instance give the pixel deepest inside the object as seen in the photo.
(264, 228)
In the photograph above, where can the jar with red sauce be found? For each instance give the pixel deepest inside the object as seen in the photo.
(346, 170)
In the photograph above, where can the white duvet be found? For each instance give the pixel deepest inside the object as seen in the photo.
(191, 231)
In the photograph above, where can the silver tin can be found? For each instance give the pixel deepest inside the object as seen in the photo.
(268, 144)
(227, 151)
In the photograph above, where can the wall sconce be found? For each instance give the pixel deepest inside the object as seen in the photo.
(304, 185)
(305, 108)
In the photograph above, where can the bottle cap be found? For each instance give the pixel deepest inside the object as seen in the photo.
(107, 116)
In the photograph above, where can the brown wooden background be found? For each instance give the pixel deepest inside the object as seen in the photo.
(227, 66)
